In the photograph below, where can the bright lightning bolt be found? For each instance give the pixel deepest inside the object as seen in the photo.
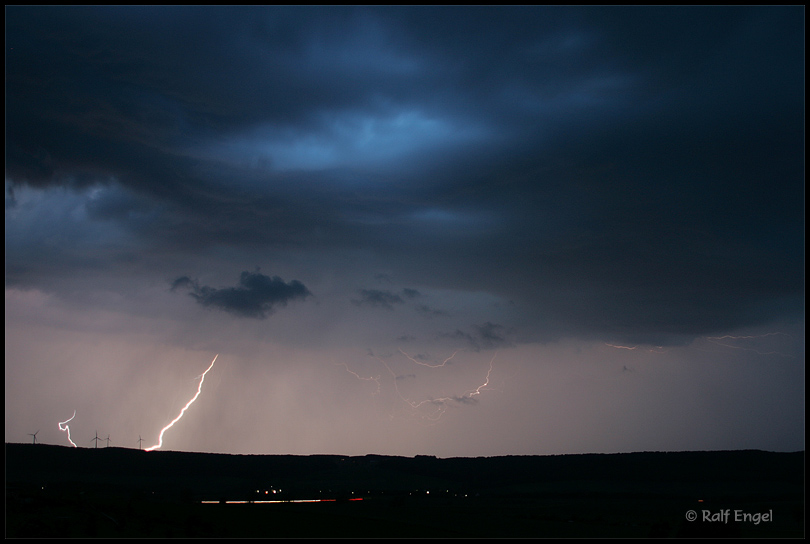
(175, 420)
(63, 426)
(477, 390)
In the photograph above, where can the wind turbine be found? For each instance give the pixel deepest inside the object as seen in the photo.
(96, 439)
(108, 440)
(34, 435)
(140, 442)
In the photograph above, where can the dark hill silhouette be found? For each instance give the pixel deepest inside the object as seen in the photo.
(538, 495)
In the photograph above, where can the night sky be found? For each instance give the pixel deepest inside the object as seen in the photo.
(451, 231)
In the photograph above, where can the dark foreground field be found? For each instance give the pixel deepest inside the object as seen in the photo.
(55, 491)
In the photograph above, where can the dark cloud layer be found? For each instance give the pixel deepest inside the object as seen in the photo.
(255, 297)
(633, 172)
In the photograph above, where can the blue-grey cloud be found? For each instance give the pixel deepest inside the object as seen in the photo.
(255, 297)
(377, 298)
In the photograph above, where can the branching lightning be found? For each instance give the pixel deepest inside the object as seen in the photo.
(429, 365)
(621, 347)
(439, 404)
(740, 342)
(175, 420)
(63, 426)
(723, 341)
(359, 377)
(655, 349)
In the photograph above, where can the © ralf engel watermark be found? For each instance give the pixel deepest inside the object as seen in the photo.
(723, 516)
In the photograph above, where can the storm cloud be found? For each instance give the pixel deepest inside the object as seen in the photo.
(255, 296)
(542, 182)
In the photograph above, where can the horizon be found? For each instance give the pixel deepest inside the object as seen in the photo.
(450, 231)
(407, 457)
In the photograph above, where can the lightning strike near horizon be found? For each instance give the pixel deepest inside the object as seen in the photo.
(66, 428)
(175, 420)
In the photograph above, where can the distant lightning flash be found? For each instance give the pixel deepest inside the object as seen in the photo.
(175, 420)
(63, 426)
(359, 377)
(717, 340)
(621, 347)
(440, 403)
(655, 349)
(477, 390)
(429, 365)
(466, 397)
